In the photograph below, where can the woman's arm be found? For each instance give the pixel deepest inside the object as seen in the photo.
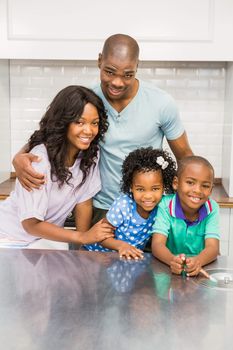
(44, 229)
(83, 215)
(27, 176)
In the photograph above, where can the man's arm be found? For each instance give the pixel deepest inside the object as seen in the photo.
(180, 147)
(27, 176)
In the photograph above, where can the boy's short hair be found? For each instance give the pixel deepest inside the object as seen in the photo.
(182, 163)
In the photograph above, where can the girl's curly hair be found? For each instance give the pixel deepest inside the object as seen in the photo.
(146, 159)
(67, 107)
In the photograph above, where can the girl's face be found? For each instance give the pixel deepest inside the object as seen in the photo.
(83, 131)
(147, 190)
(194, 186)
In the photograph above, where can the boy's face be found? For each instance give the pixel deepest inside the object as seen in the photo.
(147, 190)
(194, 186)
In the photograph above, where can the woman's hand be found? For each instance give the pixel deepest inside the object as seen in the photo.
(127, 251)
(99, 232)
(27, 176)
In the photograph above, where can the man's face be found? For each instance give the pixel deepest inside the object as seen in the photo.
(117, 76)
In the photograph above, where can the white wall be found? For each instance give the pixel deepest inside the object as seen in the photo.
(227, 163)
(198, 88)
(4, 121)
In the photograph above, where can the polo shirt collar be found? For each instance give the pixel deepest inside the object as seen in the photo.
(176, 210)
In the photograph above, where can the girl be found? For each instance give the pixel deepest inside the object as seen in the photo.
(67, 145)
(147, 174)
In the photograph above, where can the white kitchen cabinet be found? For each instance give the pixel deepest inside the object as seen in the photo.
(75, 29)
(226, 227)
(231, 235)
(225, 218)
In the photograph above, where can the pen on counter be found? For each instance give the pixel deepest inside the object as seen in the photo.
(183, 272)
(205, 274)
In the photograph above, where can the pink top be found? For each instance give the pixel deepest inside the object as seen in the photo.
(50, 203)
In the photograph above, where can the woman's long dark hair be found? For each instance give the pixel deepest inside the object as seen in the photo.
(67, 107)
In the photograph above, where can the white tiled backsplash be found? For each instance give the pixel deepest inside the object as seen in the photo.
(198, 88)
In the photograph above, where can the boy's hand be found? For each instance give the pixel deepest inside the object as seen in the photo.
(193, 266)
(27, 176)
(127, 251)
(98, 233)
(177, 264)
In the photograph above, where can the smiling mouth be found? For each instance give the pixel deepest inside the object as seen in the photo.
(85, 140)
(148, 204)
(115, 91)
(195, 199)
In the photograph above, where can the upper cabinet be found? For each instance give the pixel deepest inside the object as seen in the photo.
(76, 29)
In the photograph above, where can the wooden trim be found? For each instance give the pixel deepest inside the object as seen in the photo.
(219, 193)
(217, 181)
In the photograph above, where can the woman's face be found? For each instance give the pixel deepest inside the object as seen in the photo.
(83, 131)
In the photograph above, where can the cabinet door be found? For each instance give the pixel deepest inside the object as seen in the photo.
(231, 234)
(75, 29)
(224, 230)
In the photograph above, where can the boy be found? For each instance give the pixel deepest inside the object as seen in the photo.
(187, 223)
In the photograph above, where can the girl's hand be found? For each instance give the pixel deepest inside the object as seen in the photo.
(177, 264)
(99, 232)
(193, 266)
(127, 251)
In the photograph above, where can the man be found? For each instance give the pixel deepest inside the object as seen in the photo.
(139, 115)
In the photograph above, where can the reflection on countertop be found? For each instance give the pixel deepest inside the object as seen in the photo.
(92, 300)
